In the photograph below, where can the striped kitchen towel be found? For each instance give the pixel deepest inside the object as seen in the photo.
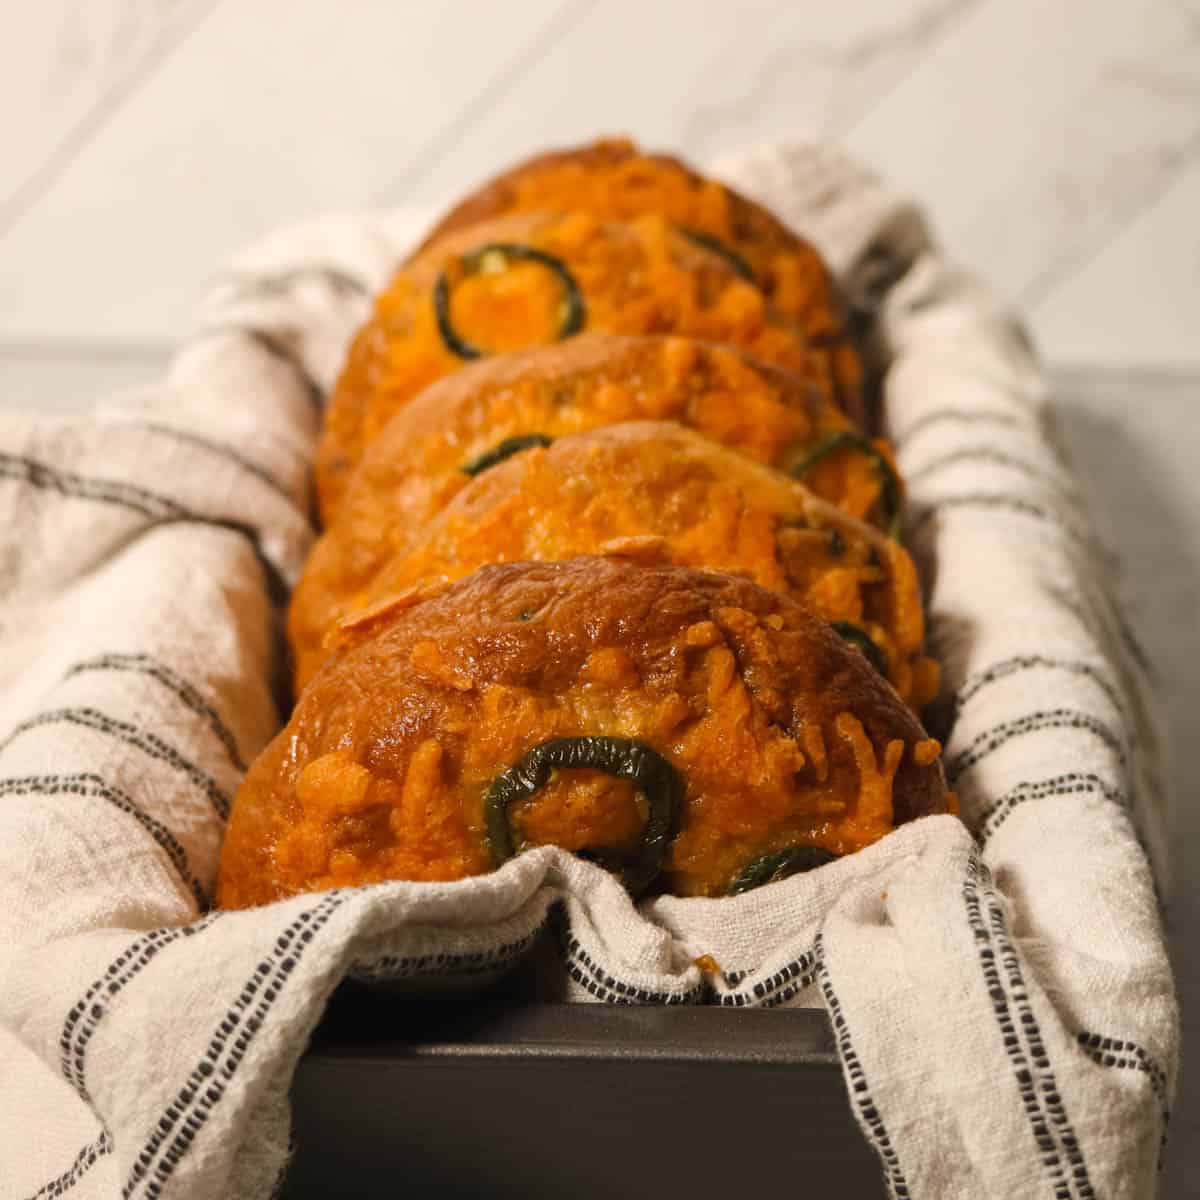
(998, 986)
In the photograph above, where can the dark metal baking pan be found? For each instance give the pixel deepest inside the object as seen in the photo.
(502, 1095)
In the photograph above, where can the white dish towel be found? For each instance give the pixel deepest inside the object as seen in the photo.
(1000, 993)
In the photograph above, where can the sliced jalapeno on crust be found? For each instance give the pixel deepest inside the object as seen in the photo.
(890, 490)
(497, 256)
(713, 245)
(503, 450)
(859, 637)
(781, 864)
(623, 758)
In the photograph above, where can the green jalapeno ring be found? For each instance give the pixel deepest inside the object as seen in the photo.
(890, 490)
(623, 758)
(573, 309)
(714, 245)
(857, 636)
(505, 449)
(770, 868)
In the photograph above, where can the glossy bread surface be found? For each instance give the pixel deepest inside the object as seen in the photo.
(782, 734)
(416, 465)
(650, 491)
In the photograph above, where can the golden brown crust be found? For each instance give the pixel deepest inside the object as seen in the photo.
(414, 468)
(622, 179)
(782, 734)
(614, 180)
(655, 491)
(634, 278)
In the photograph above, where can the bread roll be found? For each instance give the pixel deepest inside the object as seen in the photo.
(531, 280)
(614, 180)
(428, 451)
(693, 731)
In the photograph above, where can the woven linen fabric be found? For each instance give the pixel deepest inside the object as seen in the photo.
(999, 989)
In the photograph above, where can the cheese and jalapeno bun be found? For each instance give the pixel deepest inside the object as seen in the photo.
(654, 491)
(614, 180)
(434, 447)
(693, 732)
(531, 280)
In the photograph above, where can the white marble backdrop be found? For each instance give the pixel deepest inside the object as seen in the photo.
(1056, 142)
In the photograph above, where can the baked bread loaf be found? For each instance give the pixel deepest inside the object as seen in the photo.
(614, 180)
(607, 563)
(653, 491)
(691, 730)
(530, 280)
(431, 450)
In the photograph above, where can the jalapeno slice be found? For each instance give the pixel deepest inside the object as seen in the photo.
(497, 256)
(623, 758)
(890, 490)
(859, 637)
(503, 450)
(714, 245)
(773, 867)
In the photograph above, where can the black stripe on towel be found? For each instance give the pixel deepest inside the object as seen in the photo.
(278, 589)
(1073, 783)
(277, 349)
(87, 1158)
(1038, 472)
(479, 962)
(779, 987)
(160, 510)
(1059, 1150)
(1119, 1052)
(957, 416)
(186, 1115)
(87, 784)
(70, 1063)
(992, 739)
(1122, 1054)
(280, 283)
(172, 681)
(1032, 662)
(149, 744)
(589, 975)
(79, 487)
(212, 446)
(999, 501)
(856, 1077)
(84, 1018)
